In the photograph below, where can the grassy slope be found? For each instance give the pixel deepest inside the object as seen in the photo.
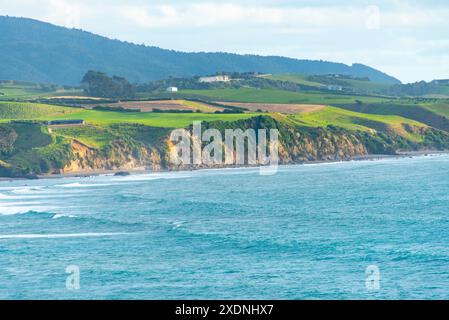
(364, 86)
(432, 114)
(167, 120)
(348, 119)
(24, 110)
(34, 151)
(14, 111)
(27, 91)
(90, 135)
(441, 108)
(10, 92)
(357, 121)
(278, 96)
(295, 78)
(98, 137)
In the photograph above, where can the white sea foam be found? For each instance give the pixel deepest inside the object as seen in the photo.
(333, 163)
(50, 194)
(59, 215)
(13, 210)
(17, 188)
(6, 197)
(27, 190)
(152, 176)
(81, 185)
(178, 224)
(22, 203)
(61, 235)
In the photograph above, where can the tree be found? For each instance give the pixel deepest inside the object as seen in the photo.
(99, 84)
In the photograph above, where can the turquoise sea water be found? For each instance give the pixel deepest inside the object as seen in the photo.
(308, 232)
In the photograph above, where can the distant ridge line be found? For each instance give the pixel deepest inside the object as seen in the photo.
(37, 51)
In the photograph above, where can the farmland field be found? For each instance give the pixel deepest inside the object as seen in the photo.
(295, 78)
(278, 96)
(357, 121)
(24, 110)
(31, 111)
(358, 85)
(11, 90)
(441, 108)
(275, 107)
(148, 106)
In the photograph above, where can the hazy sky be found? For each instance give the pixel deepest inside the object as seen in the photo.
(407, 39)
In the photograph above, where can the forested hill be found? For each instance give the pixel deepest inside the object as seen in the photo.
(35, 51)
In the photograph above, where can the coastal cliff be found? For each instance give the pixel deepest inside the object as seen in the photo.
(29, 150)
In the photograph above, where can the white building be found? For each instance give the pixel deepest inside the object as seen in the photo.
(224, 78)
(335, 88)
(172, 89)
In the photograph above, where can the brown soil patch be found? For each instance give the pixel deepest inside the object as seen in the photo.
(146, 106)
(274, 107)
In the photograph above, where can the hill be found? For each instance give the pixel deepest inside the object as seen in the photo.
(35, 51)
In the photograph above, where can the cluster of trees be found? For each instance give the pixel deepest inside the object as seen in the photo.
(98, 84)
(419, 89)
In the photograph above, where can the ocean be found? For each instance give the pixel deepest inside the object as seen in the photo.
(309, 232)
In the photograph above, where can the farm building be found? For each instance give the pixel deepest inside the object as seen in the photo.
(223, 78)
(335, 88)
(172, 89)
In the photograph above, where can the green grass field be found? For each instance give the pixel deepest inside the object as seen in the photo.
(9, 90)
(92, 136)
(441, 108)
(295, 78)
(357, 85)
(365, 117)
(25, 110)
(432, 114)
(278, 96)
(357, 121)
(100, 136)
(367, 86)
(167, 120)
(31, 111)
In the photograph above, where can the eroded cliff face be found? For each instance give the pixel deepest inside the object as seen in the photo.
(321, 147)
(296, 145)
(118, 157)
(26, 151)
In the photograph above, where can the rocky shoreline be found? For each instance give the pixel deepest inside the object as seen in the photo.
(140, 170)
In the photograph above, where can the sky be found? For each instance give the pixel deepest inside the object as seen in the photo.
(408, 39)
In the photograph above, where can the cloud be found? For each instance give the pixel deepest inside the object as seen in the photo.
(213, 14)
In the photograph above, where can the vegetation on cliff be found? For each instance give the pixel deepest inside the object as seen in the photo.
(313, 125)
(28, 149)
